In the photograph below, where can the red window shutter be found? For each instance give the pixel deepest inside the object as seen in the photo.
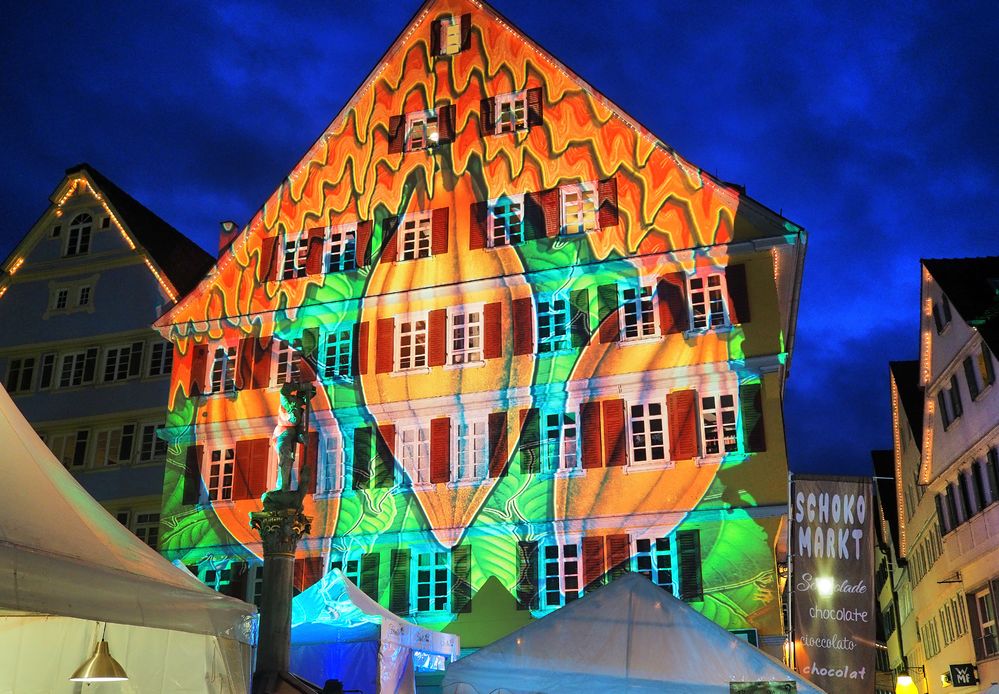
(466, 31)
(497, 444)
(615, 441)
(440, 450)
(244, 363)
(361, 348)
(314, 258)
(593, 560)
(534, 113)
(390, 225)
(438, 231)
(308, 571)
(384, 472)
(446, 123)
(610, 328)
(397, 133)
(262, 362)
(681, 407)
(673, 314)
(618, 554)
(258, 477)
(487, 116)
(551, 205)
(241, 471)
(192, 475)
(492, 331)
(199, 370)
(362, 244)
(435, 38)
(478, 225)
(385, 346)
(269, 265)
(437, 337)
(523, 326)
(738, 294)
(590, 430)
(607, 198)
(534, 216)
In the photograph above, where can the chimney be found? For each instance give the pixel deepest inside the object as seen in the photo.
(227, 234)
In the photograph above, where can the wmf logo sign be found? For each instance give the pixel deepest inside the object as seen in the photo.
(963, 675)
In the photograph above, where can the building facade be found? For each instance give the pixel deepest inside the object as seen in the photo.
(547, 349)
(78, 296)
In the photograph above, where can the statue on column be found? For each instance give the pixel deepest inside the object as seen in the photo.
(292, 430)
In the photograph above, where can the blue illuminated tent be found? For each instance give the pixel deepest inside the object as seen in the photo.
(338, 632)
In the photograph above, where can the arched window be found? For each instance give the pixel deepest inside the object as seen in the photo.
(78, 242)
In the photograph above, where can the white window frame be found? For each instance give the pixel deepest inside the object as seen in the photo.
(988, 622)
(415, 235)
(219, 473)
(648, 447)
(450, 35)
(338, 353)
(160, 359)
(78, 237)
(555, 561)
(470, 449)
(77, 364)
(580, 208)
(64, 447)
(52, 359)
(638, 312)
(427, 567)
(287, 364)
(413, 452)
(331, 472)
(121, 355)
(553, 336)
(222, 370)
(510, 114)
(707, 301)
(506, 221)
(350, 565)
(146, 525)
(465, 333)
(84, 295)
(655, 558)
(421, 130)
(722, 431)
(25, 371)
(294, 256)
(60, 299)
(559, 448)
(341, 248)
(107, 446)
(156, 448)
(414, 339)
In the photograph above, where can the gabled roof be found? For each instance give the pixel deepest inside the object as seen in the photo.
(972, 286)
(183, 261)
(910, 394)
(884, 482)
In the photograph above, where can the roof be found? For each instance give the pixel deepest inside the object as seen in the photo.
(972, 286)
(884, 482)
(183, 261)
(910, 394)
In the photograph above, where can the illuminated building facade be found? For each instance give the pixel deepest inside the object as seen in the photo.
(77, 296)
(548, 349)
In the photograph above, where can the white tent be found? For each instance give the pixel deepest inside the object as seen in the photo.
(338, 632)
(630, 636)
(68, 570)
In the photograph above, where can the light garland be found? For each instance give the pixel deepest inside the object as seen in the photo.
(899, 479)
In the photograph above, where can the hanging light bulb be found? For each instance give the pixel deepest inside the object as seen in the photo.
(100, 667)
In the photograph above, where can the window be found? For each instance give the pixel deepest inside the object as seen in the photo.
(78, 241)
(978, 372)
(221, 462)
(296, 252)
(414, 453)
(20, 373)
(152, 446)
(553, 322)
(421, 130)
(433, 582)
(638, 316)
(579, 208)
(48, 370)
(718, 424)
(648, 438)
(78, 368)
(473, 456)
(331, 475)
(707, 301)
(70, 448)
(559, 441)
(449, 35)
(224, 370)
(988, 633)
(343, 249)
(416, 235)
(56, 231)
(350, 565)
(116, 362)
(338, 353)
(466, 336)
(511, 112)
(113, 446)
(560, 572)
(161, 359)
(941, 314)
(412, 343)
(288, 364)
(61, 299)
(506, 220)
(654, 559)
(218, 579)
(83, 297)
(147, 528)
(949, 401)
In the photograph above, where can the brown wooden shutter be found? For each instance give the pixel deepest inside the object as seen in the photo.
(551, 205)
(461, 574)
(397, 134)
(437, 337)
(385, 346)
(534, 107)
(199, 370)
(527, 575)
(440, 450)
(579, 317)
(244, 363)
(306, 572)
(269, 266)
(241, 470)
(192, 475)
(751, 406)
(593, 560)
(478, 229)
(688, 549)
(390, 248)
(497, 444)
(492, 331)
(618, 554)
(369, 575)
(523, 326)
(435, 38)
(738, 294)
(466, 31)
(399, 566)
(360, 356)
(362, 457)
(589, 414)
(310, 456)
(259, 453)
(615, 434)
(681, 407)
(362, 244)
(674, 316)
(607, 199)
(530, 441)
(262, 362)
(607, 298)
(446, 123)
(314, 251)
(487, 116)
(439, 231)
(534, 216)
(385, 457)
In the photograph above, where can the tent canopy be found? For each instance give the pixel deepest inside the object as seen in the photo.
(630, 636)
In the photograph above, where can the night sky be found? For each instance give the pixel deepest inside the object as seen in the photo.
(872, 127)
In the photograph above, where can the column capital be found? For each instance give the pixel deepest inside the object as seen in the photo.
(280, 530)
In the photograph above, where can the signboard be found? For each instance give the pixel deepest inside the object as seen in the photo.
(963, 675)
(832, 546)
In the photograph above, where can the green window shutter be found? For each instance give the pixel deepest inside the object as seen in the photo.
(527, 575)
(362, 457)
(461, 572)
(530, 441)
(688, 544)
(369, 575)
(192, 475)
(751, 405)
(610, 331)
(399, 572)
(579, 317)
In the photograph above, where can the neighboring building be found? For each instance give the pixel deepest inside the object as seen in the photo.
(78, 295)
(550, 349)
(960, 462)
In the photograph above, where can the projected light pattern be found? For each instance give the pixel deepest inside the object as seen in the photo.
(533, 345)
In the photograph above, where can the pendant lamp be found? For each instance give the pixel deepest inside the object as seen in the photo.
(100, 667)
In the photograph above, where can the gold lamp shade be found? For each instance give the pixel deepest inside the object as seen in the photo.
(100, 667)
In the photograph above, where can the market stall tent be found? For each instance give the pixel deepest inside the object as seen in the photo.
(338, 632)
(69, 571)
(630, 636)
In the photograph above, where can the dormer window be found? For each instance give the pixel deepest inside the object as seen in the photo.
(421, 130)
(78, 241)
(450, 35)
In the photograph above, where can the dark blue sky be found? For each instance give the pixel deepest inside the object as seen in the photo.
(871, 125)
